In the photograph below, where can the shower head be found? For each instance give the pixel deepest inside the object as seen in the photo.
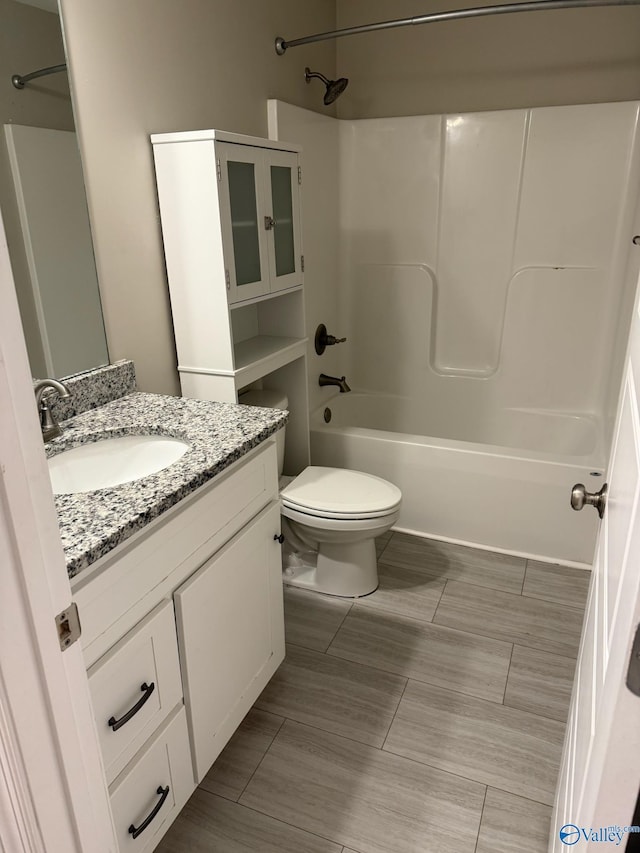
(334, 87)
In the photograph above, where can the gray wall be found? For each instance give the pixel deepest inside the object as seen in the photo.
(501, 62)
(161, 65)
(29, 39)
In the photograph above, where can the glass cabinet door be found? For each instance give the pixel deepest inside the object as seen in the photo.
(284, 198)
(244, 235)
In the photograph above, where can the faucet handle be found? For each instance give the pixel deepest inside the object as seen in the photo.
(324, 340)
(44, 390)
(48, 423)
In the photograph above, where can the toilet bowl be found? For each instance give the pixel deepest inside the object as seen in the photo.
(330, 520)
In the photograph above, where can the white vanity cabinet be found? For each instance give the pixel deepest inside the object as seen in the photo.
(182, 629)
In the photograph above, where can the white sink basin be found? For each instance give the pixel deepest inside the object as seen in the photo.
(112, 462)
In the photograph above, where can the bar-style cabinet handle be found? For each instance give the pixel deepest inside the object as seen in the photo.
(163, 793)
(147, 690)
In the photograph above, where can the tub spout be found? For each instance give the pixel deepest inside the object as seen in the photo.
(341, 383)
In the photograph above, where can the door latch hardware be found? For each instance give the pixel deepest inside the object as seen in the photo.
(68, 625)
(633, 673)
(581, 497)
(269, 223)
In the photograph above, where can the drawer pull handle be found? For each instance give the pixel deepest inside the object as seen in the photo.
(163, 793)
(147, 689)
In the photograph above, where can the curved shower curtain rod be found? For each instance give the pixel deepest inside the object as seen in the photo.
(19, 80)
(531, 6)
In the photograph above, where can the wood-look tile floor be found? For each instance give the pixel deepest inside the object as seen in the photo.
(427, 717)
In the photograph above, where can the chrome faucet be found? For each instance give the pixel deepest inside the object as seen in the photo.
(323, 380)
(48, 423)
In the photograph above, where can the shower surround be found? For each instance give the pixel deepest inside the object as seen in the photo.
(485, 287)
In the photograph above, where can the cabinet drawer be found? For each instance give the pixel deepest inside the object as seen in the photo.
(134, 686)
(231, 628)
(139, 796)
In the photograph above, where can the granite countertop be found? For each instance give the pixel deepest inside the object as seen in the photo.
(93, 523)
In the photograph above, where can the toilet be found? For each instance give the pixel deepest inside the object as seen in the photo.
(330, 520)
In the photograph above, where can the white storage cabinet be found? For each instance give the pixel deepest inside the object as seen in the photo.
(231, 225)
(259, 217)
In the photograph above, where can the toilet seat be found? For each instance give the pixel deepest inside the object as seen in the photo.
(336, 493)
(344, 525)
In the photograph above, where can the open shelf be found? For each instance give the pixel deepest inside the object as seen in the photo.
(264, 297)
(262, 354)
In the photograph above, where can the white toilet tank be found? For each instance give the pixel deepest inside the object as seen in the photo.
(269, 399)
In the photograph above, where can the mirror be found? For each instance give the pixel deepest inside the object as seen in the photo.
(42, 198)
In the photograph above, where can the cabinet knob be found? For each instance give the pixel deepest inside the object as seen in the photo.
(279, 537)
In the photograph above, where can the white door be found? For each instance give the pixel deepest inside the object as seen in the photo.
(600, 773)
(52, 790)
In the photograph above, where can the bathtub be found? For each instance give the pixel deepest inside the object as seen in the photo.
(498, 480)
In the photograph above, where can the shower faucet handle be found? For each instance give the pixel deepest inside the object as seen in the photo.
(324, 340)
